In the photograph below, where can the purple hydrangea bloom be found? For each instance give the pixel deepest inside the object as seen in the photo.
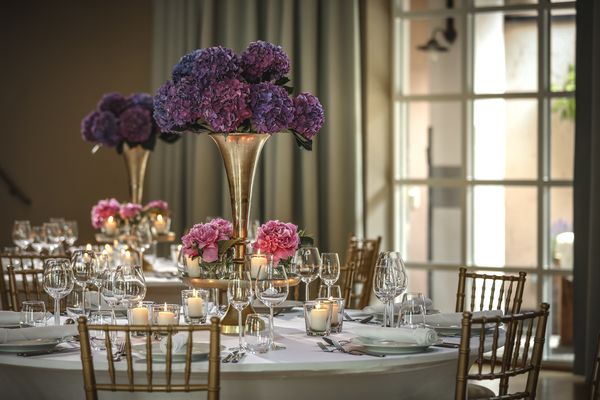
(177, 104)
(264, 61)
(113, 102)
(224, 105)
(86, 126)
(105, 129)
(184, 67)
(308, 115)
(143, 100)
(272, 109)
(135, 124)
(214, 64)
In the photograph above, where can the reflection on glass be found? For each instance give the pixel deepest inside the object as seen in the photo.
(561, 228)
(562, 51)
(505, 52)
(505, 139)
(562, 138)
(505, 226)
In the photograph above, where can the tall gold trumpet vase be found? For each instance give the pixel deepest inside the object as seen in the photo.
(240, 152)
(136, 160)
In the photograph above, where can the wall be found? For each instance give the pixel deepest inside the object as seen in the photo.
(58, 58)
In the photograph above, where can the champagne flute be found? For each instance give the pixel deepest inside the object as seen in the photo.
(129, 284)
(307, 262)
(239, 295)
(272, 289)
(384, 285)
(21, 234)
(57, 282)
(85, 270)
(329, 272)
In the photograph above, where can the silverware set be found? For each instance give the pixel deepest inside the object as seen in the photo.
(234, 357)
(365, 320)
(339, 346)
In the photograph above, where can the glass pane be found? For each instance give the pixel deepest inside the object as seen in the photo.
(506, 52)
(562, 57)
(561, 227)
(559, 290)
(505, 139)
(432, 224)
(424, 5)
(434, 140)
(562, 138)
(433, 64)
(504, 226)
(442, 289)
(491, 3)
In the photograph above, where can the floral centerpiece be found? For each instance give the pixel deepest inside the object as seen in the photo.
(278, 238)
(110, 215)
(208, 245)
(216, 90)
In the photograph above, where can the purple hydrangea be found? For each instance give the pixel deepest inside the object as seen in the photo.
(135, 124)
(105, 129)
(264, 61)
(308, 115)
(177, 104)
(215, 64)
(86, 126)
(143, 100)
(113, 102)
(272, 109)
(224, 105)
(184, 67)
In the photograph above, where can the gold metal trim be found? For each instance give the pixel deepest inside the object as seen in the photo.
(136, 160)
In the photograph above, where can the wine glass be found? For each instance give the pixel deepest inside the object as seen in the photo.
(307, 262)
(21, 234)
(413, 304)
(401, 278)
(329, 272)
(57, 282)
(53, 235)
(384, 284)
(239, 295)
(71, 232)
(129, 284)
(106, 289)
(272, 289)
(141, 238)
(85, 270)
(38, 239)
(97, 281)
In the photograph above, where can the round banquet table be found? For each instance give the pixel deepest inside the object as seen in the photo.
(302, 371)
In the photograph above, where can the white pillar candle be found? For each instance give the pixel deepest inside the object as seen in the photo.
(110, 226)
(166, 317)
(139, 316)
(160, 225)
(255, 263)
(193, 266)
(318, 318)
(335, 313)
(195, 305)
(88, 247)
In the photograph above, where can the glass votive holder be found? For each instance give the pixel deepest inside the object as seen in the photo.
(337, 313)
(33, 314)
(195, 306)
(256, 333)
(98, 337)
(161, 224)
(165, 314)
(317, 316)
(140, 314)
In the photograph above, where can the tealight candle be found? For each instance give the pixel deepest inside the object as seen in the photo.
(318, 317)
(110, 226)
(139, 316)
(195, 305)
(88, 247)
(166, 317)
(193, 266)
(160, 224)
(256, 262)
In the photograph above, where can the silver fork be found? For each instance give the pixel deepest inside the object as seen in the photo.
(325, 348)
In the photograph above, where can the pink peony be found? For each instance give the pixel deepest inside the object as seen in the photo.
(224, 227)
(277, 238)
(104, 209)
(202, 241)
(129, 211)
(158, 205)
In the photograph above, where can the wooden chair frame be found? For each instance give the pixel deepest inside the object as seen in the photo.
(33, 290)
(501, 284)
(595, 383)
(514, 359)
(89, 377)
(359, 266)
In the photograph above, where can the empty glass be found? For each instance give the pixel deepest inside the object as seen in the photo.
(21, 234)
(257, 332)
(272, 289)
(326, 292)
(85, 271)
(307, 262)
(53, 235)
(33, 313)
(38, 239)
(98, 337)
(413, 304)
(129, 284)
(329, 272)
(393, 260)
(140, 238)
(58, 282)
(384, 286)
(239, 295)
(70, 232)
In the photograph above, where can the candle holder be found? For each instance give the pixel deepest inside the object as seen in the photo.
(195, 306)
(140, 314)
(337, 313)
(161, 225)
(165, 314)
(253, 262)
(317, 316)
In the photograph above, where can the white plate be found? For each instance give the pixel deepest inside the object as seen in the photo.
(200, 352)
(383, 346)
(284, 307)
(456, 330)
(19, 346)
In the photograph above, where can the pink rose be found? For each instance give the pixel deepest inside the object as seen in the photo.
(224, 227)
(130, 210)
(104, 209)
(277, 238)
(158, 205)
(202, 241)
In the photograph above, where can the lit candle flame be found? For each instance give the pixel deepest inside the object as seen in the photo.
(159, 218)
(165, 308)
(88, 247)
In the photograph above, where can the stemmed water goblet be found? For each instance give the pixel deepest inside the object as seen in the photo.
(239, 295)
(106, 289)
(307, 262)
(384, 285)
(21, 234)
(329, 272)
(38, 239)
(98, 279)
(85, 270)
(272, 289)
(57, 282)
(129, 284)
(70, 232)
(53, 235)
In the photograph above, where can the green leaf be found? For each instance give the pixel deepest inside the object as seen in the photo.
(225, 245)
(289, 89)
(301, 141)
(282, 81)
(306, 241)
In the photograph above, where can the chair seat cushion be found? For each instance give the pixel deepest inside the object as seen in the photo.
(476, 392)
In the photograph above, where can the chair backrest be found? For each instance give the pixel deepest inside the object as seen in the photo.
(595, 389)
(497, 292)
(111, 336)
(518, 356)
(25, 284)
(18, 262)
(357, 272)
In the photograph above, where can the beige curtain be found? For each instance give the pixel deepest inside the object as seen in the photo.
(316, 190)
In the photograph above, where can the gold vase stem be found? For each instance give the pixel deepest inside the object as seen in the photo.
(136, 160)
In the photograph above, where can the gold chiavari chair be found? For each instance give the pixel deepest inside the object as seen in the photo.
(30, 288)
(357, 271)
(595, 384)
(166, 384)
(498, 292)
(518, 357)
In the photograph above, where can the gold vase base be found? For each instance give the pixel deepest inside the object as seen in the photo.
(229, 322)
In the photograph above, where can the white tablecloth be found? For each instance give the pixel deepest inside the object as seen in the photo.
(302, 371)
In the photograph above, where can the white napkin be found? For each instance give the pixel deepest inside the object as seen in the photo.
(453, 319)
(9, 318)
(179, 343)
(378, 308)
(419, 336)
(42, 332)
